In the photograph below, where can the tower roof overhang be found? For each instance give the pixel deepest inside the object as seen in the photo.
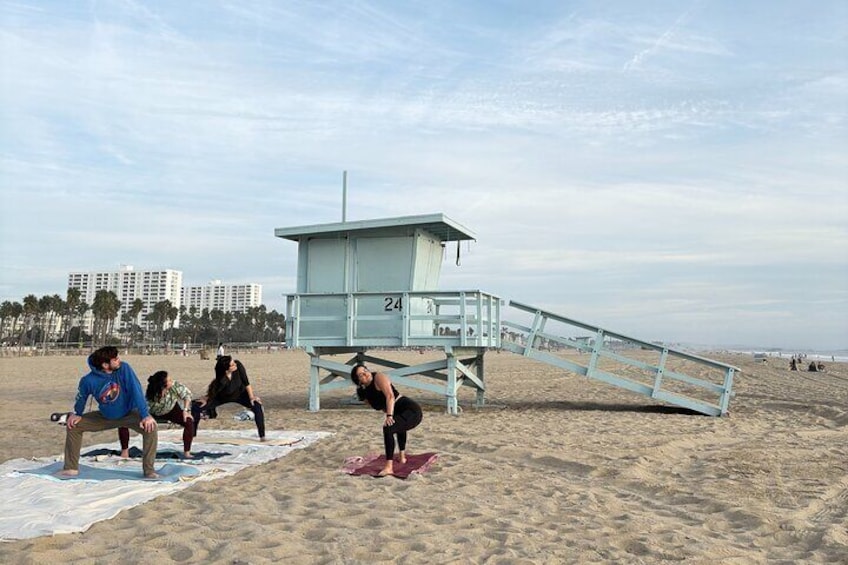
(439, 225)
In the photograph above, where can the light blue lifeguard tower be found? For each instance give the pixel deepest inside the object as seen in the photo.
(373, 285)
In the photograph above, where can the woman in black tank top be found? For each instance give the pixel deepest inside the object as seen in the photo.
(402, 413)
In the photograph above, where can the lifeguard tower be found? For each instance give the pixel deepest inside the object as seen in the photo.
(373, 284)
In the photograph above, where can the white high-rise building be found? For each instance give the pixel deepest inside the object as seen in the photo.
(128, 284)
(223, 297)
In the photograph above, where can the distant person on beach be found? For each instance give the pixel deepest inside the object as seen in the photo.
(812, 368)
(120, 403)
(220, 352)
(229, 385)
(167, 400)
(793, 366)
(402, 413)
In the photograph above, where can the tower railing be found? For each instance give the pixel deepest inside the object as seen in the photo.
(465, 318)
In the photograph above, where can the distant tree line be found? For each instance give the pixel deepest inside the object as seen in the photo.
(52, 320)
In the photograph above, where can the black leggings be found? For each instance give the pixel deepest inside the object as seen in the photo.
(210, 409)
(407, 415)
(176, 416)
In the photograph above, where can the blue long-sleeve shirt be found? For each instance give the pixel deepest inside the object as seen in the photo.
(117, 393)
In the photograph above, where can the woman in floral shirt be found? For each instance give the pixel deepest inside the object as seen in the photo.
(170, 401)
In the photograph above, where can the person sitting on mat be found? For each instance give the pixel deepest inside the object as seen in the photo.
(402, 413)
(230, 385)
(120, 403)
(167, 400)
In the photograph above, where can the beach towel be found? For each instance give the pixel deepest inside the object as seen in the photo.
(372, 464)
(46, 505)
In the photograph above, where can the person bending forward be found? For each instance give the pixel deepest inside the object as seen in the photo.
(402, 413)
(167, 400)
(120, 403)
(230, 385)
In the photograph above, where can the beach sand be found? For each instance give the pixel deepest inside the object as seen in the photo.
(555, 469)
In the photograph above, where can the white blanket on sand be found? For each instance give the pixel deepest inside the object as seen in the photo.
(36, 503)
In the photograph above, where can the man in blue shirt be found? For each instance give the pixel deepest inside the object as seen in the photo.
(121, 404)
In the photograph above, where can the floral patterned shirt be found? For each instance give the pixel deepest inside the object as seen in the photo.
(178, 393)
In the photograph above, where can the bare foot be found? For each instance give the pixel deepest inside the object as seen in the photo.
(402, 457)
(188, 455)
(389, 469)
(263, 439)
(125, 454)
(151, 476)
(68, 473)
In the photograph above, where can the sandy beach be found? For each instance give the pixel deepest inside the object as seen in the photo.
(555, 469)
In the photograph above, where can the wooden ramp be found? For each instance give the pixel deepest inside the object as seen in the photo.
(651, 369)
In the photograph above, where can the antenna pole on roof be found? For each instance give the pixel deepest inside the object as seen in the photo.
(344, 196)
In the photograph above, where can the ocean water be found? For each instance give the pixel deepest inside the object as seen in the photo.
(822, 356)
(818, 356)
(835, 356)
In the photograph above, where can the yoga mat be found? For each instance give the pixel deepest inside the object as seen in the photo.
(372, 464)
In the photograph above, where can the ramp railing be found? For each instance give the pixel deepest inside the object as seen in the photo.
(655, 370)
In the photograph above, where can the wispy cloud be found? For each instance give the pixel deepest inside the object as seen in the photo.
(716, 162)
(666, 40)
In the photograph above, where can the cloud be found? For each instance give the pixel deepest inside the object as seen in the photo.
(166, 137)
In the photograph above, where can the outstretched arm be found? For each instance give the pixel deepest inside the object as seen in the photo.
(81, 398)
(247, 387)
(384, 385)
(79, 405)
(185, 399)
(130, 381)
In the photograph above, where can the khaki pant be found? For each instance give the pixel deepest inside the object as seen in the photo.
(95, 422)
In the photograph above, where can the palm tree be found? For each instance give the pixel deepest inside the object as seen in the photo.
(114, 310)
(259, 317)
(173, 313)
(192, 322)
(105, 308)
(228, 320)
(82, 308)
(183, 320)
(72, 302)
(30, 313)
(134, 312)
(45, 304)
(16, 313)
(126, 327)
(276, 326)
(158, 315)
(216, 317)
(6, 310)
(49, 307)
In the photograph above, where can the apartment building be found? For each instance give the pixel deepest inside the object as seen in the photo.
(128, 284)
(218, 296)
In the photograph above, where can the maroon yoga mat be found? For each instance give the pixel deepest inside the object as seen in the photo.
(372, 464)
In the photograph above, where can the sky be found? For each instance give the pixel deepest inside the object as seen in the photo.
(670, 170)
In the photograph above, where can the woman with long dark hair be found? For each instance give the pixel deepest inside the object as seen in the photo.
(168, 400)
(229, 385)
(402, 413)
